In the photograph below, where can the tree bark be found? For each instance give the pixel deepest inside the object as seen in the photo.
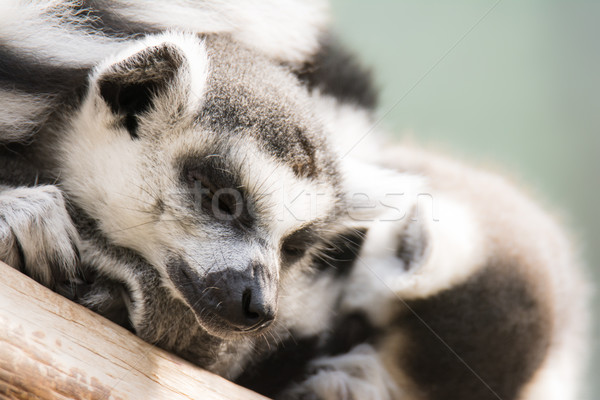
(52, 348)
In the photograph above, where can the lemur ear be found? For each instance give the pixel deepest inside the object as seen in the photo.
(130, 85)
(412, 242)
(389, 203)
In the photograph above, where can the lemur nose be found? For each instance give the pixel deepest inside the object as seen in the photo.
(248, 312)
(230, 299)
(256, 313)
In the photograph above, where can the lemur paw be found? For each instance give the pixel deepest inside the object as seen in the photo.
(358, 374)
(37, 235)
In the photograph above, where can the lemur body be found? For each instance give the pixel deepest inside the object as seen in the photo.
(182, 161)
(460, 285)
(496, 307)
(129, 138)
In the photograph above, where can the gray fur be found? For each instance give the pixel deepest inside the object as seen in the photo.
(249, 95)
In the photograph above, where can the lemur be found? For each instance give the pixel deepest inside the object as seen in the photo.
(456, 285)
(470, 292)
(134, 164)
(179, 173)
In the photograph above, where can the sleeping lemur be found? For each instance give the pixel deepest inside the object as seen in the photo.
(184, 187)
(464, 289)
(172, 184)
(455, 285)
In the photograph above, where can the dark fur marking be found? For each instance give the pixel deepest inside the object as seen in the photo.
(26, 74)
(286, 365)
(99, 17)
(349, 331)
(337, 72)
(341, 252)
(187, 281)
(130, 87)
(20, 253)
(18, 170)
(295, 245)
(412, 245)
(285, 142)
(103, 295)
(306, 165)
(129, 100)
(289, 363)
(493, 322)
(215, 175)
(61, 88)
(241, 99)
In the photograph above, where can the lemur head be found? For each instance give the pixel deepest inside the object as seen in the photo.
(204, 158)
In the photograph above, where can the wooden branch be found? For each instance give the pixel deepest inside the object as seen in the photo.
(52, 348)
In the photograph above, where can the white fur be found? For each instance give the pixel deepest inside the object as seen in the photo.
(105, 168)
(98, 161)
(49, 31)
(385, 200)
(350, 128)
(287, 30)
(21, 113)
(291, 202)
(454, 252)
(375, 193)
(301, 293)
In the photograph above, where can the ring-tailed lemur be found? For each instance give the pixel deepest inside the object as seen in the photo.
(460, 288)
(469, 292)
(122, 167)
(171, 121)
(494, 305)
(178, 173)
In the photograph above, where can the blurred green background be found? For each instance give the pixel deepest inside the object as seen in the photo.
(510, 83)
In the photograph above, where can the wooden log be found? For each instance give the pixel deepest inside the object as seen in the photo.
(52, 348)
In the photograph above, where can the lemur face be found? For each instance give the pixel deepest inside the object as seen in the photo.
(205, 159)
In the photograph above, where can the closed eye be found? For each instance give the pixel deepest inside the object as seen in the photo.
(216, 189)
(208, 195)
(295, 245)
